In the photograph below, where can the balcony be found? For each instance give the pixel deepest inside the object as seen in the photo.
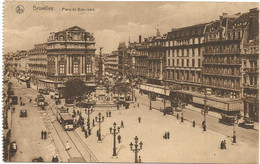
(215, 73)
(249, 86)
(220, 52)
(251, 70)
(224, 63)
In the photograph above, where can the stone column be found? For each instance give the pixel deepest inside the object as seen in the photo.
(71, 65)
(56, 65)
(80, 65)
(67, 65)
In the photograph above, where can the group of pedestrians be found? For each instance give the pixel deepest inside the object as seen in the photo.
(223, 145)
(166, 135)
(108, 113)
(43, 134)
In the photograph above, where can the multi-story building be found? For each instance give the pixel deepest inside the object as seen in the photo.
(124, 61)
(184, 59)
(111, 65)
(250, 62)
(38, 63)
(139, 55)
(70, 54)
(222, 62)
(24, 67)
(156, 58)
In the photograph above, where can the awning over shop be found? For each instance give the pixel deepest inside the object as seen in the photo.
(225, 104)
(50, 81)
(155, 89)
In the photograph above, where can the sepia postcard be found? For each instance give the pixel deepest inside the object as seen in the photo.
(130, 82)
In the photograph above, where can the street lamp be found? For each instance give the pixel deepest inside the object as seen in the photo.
(114, 134)
(205, 110)
(88, 112)
(136, 149)
(99, 121)
(150, 95)
(234, 130)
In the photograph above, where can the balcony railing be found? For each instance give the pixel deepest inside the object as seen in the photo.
(251, 70)
(227, 51)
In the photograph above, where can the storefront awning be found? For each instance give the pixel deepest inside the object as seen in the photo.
(155, 89)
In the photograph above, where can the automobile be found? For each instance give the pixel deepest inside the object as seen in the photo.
(23, 113)
(37, 159)
(57, 95)
(227, 119)
(168, 110)
(44, 91)
(248, 123)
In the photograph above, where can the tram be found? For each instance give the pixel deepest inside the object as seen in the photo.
(40, 100)
(66, 121)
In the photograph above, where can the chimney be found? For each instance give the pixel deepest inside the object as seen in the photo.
(140, 38)
(238, 14)
(224, 14)
(253, 9)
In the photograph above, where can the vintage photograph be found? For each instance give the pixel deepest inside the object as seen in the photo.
(135, 82)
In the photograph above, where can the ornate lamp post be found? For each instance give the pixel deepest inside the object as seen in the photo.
(136, 149)
(88, 112)
(207, 91)
(99, 121)
(114, 132)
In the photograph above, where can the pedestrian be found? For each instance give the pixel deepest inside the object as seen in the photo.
(93, 122)
(109, 113)
(119, 139)
(168, 135)
(110, 129)
(139, 160)
(13, 109)
(67, 146)
(30, 101)
(224, 144)
(89, 132)
(165, 135)
(203, 123)
(234, 139)
(182, 119)
(122, 124)
(77, 112)
(83, 128)
(139, 119)
(193, 124)
(45, 135)
(177, 116)
(137, 105)
(42, 134)
(67, 110)
(20, 98)
(86, 134)
(103, 118)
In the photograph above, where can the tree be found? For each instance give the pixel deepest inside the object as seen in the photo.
(74, 88)
(122, 88)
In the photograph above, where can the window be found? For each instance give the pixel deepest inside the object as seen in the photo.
(182, 52)
(75, 68)
(188, 62)
(193, 62)
(182, 62)
(62, 68)
(172, 62)
(177, 62)
(88, 66)
(169, 62)
(199, 51)
(198, 62)
(193, 54)
(188, 52)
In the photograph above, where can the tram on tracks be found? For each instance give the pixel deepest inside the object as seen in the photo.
(40, 100)
(65, 119)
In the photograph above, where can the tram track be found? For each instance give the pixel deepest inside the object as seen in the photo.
(74, 136)
(69, 154)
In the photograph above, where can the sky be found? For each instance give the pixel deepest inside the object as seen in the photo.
(111, 22)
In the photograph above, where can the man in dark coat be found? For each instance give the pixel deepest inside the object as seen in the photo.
(42, 134)
(122, 124)
(139, 119)
(119, 138)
